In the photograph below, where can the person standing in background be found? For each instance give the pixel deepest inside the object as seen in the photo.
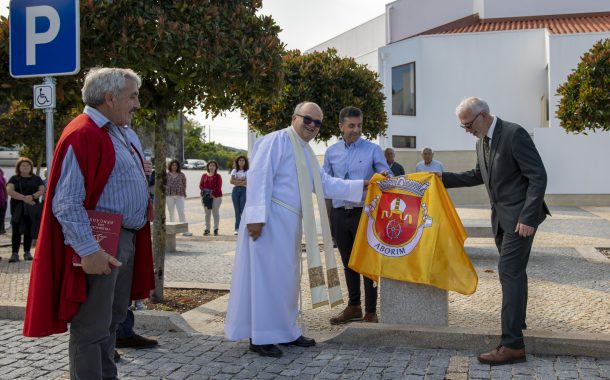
(211, 193)
(239, 181)
(3, 199)
(395, 167)
(176, 193)
(25, 189)
(428, 164)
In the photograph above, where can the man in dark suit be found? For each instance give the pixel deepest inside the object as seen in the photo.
(511, 169)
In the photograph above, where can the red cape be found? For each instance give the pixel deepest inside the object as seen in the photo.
(57, 288)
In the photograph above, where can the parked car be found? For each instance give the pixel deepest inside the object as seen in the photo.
(191, 163)
(8, 155)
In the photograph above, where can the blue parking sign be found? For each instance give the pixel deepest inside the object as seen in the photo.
(44, 37)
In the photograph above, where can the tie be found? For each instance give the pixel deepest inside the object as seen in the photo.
(486, 152)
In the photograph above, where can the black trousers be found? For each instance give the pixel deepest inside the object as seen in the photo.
(345, 225)
(23, 228)
(514, 256)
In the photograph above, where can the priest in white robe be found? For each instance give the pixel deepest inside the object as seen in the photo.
(263, 303)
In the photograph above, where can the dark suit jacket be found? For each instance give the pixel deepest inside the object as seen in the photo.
(515, 182)
(397, 169)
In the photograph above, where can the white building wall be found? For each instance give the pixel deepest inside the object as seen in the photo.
(567, 155)
(519, 8)
(407, 18)
(508, 69)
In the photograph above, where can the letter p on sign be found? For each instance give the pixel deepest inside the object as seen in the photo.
(33, 38)
(44, 38)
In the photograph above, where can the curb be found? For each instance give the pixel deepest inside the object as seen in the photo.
(469, 339)
(145, 319)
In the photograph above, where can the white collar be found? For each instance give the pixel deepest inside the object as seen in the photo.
(490, 131)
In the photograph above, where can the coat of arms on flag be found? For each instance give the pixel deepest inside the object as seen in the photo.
(410, 231)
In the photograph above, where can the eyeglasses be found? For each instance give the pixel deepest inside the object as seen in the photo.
(469, 125)
(308, 120)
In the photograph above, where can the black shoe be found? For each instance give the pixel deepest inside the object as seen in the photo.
(117, 356)
(27, 256)
(301, 342)
(136, 341)
(206, 232)
(14, 258)
(270, 350)
(216, 232)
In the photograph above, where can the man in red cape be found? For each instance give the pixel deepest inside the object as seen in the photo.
(59, 290)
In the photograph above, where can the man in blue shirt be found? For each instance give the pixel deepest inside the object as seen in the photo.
(428, 164)
(353, 158)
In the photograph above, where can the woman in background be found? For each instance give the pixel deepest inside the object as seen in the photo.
(25, 189)
(176, 192)
(211, 193)
(239, 181)
(3, 199)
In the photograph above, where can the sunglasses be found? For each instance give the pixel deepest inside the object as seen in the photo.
(469, 125)
(308, 120)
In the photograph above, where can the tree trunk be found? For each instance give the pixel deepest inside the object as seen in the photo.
(159, 205)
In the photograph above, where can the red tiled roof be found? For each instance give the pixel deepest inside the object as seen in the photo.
(556, 24)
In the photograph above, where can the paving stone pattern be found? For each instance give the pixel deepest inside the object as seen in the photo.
(182, 356)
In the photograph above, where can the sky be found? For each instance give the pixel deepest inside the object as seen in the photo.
(304, 25)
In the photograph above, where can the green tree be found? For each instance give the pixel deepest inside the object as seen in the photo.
(330, 81)
(211, 54)
(585, 102)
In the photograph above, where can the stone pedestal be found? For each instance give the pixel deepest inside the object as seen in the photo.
(171, 229)
(412, 304)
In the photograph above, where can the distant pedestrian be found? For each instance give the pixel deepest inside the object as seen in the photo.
(428, 164)
(3, 199)
(25, 189)
(176, 193)
(239, 181)
(211, 195)
(395, 167)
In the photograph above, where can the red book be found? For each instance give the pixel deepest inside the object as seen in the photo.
(106, 229)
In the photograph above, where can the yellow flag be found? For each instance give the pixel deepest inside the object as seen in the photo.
(410, 231)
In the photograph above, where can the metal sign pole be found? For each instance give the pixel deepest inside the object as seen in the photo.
(49, 127)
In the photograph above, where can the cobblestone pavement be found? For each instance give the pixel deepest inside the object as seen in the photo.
(182, 356)
(568, 292)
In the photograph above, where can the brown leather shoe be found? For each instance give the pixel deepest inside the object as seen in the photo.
(370, 318)
(503, 355)
(136, 341)
(350, 313)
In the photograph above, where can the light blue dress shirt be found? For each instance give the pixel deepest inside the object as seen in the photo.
(125, 193)
(433, 166)
(359, 160)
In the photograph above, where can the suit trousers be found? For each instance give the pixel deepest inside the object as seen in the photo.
(93, 328)
(514, 256)
(345, 224)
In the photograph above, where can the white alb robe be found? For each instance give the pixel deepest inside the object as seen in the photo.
(263, 303)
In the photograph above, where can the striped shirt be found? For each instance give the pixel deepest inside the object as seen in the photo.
(358, 160)
(125, 193)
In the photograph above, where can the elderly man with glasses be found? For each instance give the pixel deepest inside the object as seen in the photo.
(263, 304)
(512, 171)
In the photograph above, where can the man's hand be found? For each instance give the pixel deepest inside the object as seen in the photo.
(385, 173)
(524, 231)
(148, 167)
(99, 262)
(255, 230)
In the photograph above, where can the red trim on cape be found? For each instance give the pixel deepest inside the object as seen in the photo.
(57, 288)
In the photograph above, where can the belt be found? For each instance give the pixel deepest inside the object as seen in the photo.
(348, 208)
(132, 230)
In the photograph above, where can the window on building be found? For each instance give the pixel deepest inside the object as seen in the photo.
(404, 142)
(403, 89)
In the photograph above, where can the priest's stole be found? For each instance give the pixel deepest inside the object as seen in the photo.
(410, 231)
